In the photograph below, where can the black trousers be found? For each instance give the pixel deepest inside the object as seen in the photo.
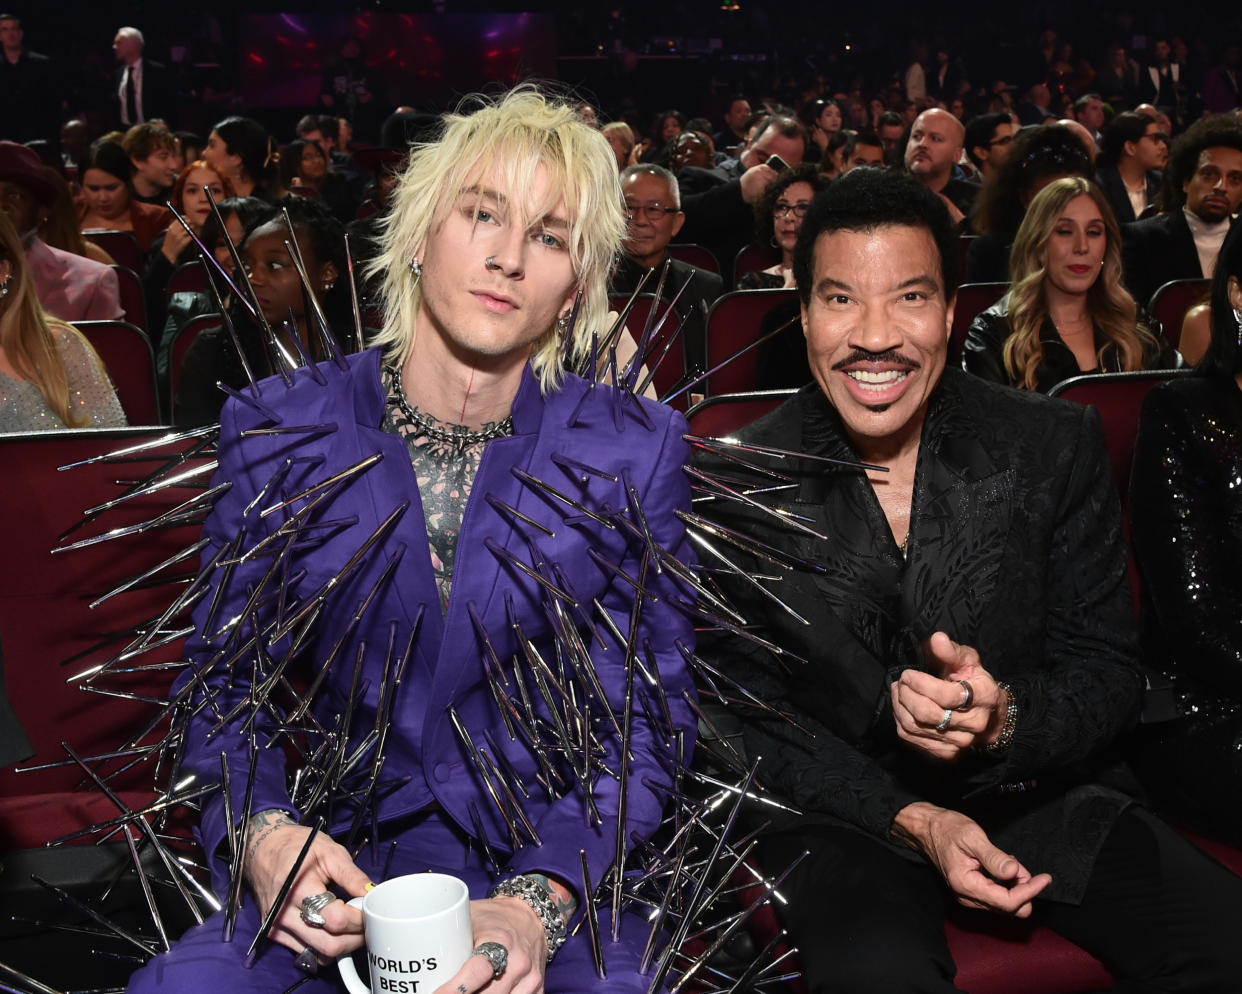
(1160, 914)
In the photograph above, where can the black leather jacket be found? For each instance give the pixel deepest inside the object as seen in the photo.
(982, 353)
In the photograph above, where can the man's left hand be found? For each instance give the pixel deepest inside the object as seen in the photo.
(513, 923)
(921, 701)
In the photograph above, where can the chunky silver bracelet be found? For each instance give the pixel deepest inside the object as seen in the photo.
(1010, 725)
(542, 901)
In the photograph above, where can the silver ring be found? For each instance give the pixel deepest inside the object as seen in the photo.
(490, 262)
(970, 696)
(496, 954)
(944, 722)
(313, 905)
(307, 962)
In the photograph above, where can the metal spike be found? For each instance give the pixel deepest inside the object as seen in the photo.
(286, 885)
(545, 488)
(592, 917)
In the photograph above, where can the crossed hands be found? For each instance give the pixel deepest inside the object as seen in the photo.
(921, 701)
(272, 846)
(979, 874)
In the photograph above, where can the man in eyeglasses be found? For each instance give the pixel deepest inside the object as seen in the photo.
(989, 137)
(1132, 156)
(653, 207)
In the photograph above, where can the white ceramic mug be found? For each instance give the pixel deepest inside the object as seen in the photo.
(417, 933)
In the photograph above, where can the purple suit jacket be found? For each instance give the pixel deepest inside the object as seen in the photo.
(425, 760)
(73, 288)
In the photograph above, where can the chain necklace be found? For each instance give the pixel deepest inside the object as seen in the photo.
(457, 437)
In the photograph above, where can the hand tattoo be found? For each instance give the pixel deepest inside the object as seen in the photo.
(261, 825)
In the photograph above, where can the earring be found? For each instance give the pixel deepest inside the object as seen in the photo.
(562, 325)
(4, 287)
(773, 242)
(416, 268)
(1237, 317)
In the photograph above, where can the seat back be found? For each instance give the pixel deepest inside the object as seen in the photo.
(723, 414)
(126, 354)
(1119, 399)
(1170, 302)
(669, 367)
(189, 277)
(963, 249)
(176, 356)
(50, 631)
(733, 325)
(972, 300)
(133, 299)
(695, 255)
(121, 245)
(752, 257)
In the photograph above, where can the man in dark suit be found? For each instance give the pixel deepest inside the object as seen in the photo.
(1133, 154)
(1204, 187)
(29, 88)
(956, 648)
(144, 88)
(654, 210)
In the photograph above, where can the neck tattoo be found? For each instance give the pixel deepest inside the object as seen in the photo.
(454, 436)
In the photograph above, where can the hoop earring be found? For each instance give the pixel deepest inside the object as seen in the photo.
(773, 242)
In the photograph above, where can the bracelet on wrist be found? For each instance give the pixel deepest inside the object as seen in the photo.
(1010, 724)
(542, 901)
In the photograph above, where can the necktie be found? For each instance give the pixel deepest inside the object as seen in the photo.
(131, 97)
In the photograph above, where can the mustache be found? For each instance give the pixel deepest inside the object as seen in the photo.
(887, 356)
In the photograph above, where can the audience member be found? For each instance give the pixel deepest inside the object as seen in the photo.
(1089, 111)
(145, 88)
(934, 147)
(242, 150)
(75, 142)
(1221, 93)
(174, 246)
(691, 148)
(1202, 191)
(304, 167)
(109, 200)
(1184, 519)
(1161, 82)
(653, 209)
(867, 150)
(29, 87)
(891, 128)
(824, 118)
(1037, 107)
(1068, 312)
(946, 726)
(988, 140)
(58, 223)
(720, 217)
(1132, 155)
(734, 132)
(778, 219)
(620, 139)
(50, 377)
(657, 144)
(212, 359)
(834, 161)
(69, 287)
(152, 152)
(1118, 80)
(1039, 156)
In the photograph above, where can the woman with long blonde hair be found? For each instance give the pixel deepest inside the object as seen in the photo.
(50, 377)
(1067, 312)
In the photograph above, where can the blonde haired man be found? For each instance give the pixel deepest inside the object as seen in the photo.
(563, 493)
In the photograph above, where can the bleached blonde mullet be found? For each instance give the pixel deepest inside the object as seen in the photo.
(504, 141)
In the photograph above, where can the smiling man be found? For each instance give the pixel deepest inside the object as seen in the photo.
(958, 655)
(453, 460)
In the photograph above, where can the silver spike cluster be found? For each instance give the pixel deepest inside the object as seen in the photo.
(681, 883)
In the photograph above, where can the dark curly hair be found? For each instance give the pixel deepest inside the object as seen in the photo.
(1208, 132)
(808, 172)
(867, 199)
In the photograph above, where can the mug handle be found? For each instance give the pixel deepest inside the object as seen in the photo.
(345, 963)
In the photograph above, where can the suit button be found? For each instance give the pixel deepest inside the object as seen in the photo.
(443, 772)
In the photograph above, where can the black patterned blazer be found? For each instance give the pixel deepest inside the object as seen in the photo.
(1015, 549)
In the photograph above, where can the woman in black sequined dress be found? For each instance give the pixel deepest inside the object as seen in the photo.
(1186, 516)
